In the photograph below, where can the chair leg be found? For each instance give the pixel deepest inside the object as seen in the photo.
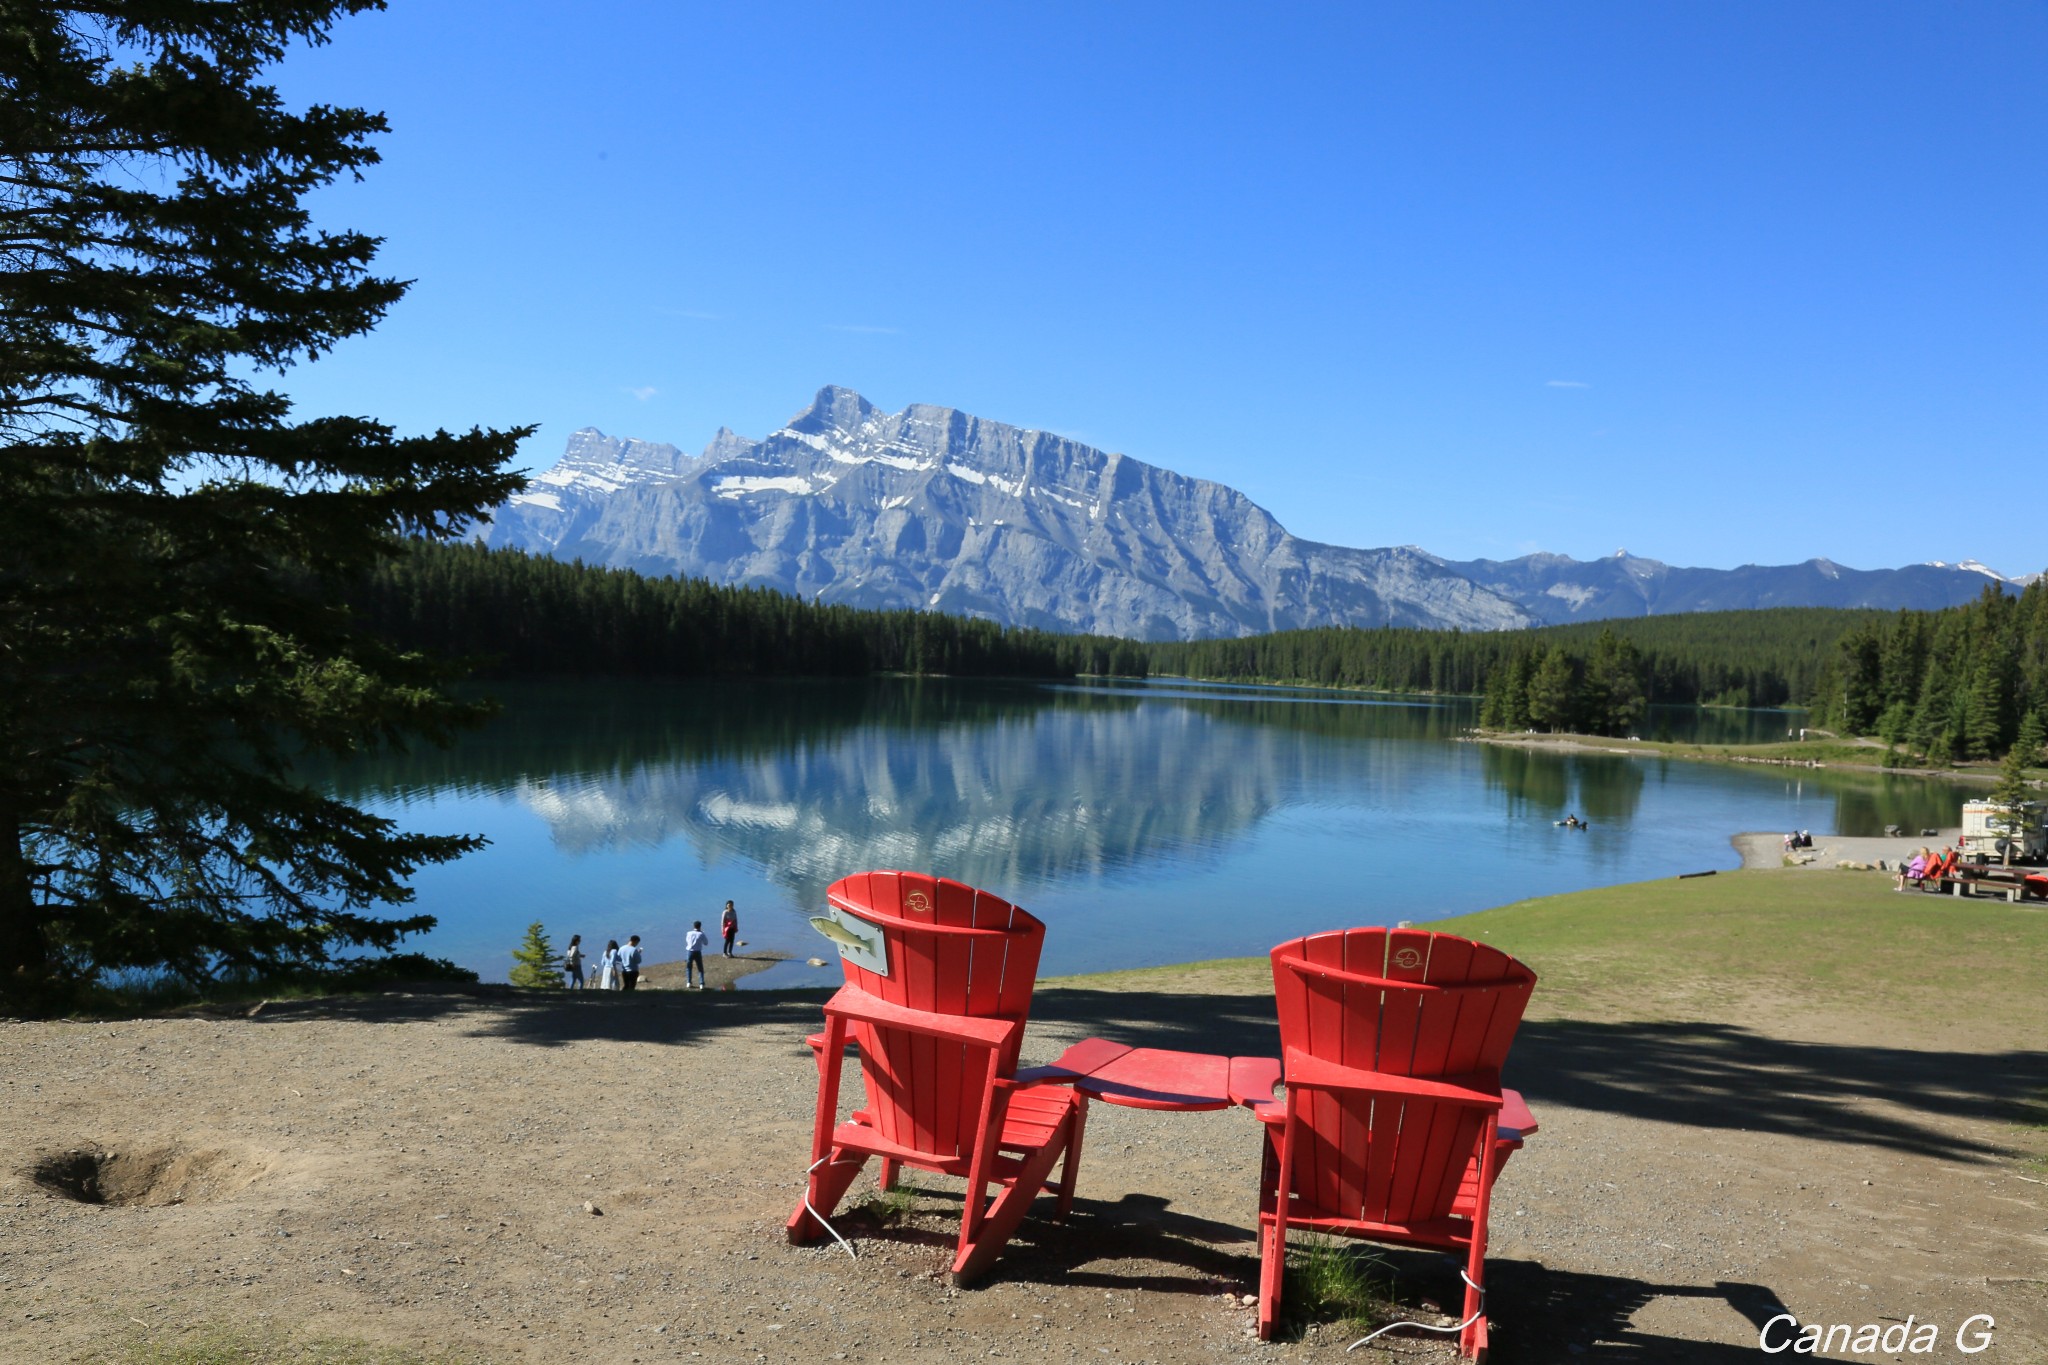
(979, 1249)
(890, 1169)
(1472, 1342)
(1071, 1165)
(1275, 1171)
(828, 1185)
(1272, 1272)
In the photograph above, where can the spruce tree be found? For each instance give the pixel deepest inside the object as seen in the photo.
(533, 961)
(173, 540)
(2032, 735)
(2010, 795)
(1554, 691)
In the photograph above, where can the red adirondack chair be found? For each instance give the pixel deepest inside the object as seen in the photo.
(1393, 1128)
(937, 1030)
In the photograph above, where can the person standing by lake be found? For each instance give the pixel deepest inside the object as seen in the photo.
(608, 966)
(694, 943)
(629, 963)
(572, 963)
(729, 925)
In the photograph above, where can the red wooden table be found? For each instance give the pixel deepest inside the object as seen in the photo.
(1140, 1077)
(1188, 1082)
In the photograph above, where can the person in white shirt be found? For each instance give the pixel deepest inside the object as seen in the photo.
(693, 943)
(629, 963)
(608, 966)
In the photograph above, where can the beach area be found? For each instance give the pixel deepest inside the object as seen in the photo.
(1766, 850)
(1732, 1126)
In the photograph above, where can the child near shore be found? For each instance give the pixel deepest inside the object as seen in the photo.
(694, 942)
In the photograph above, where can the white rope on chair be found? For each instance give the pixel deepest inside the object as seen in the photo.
(812, 1210)
(1477, 1314)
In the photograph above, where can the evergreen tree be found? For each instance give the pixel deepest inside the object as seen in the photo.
(1493, 706)
(2010, 796)
(1616, 699)
(533, 961)
(171, 538)
(1859, 695)
(1553, 692)
(2033, 733)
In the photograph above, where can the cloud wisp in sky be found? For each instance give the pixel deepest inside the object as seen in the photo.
(643, 392)
(1566, 384)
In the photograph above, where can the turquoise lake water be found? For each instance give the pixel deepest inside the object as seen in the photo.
(1145, 823)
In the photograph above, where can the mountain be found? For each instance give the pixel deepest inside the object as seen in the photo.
(935, 508)
(1557, 588)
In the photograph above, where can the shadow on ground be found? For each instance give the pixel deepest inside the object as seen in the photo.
(1140, 1243)
(1701, 1075)
(554, 1018)
(1545, 1315)
(1695, 1075)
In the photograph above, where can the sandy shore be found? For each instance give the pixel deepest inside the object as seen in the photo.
(1834, 850)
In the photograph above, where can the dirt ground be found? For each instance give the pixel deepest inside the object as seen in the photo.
(511, 1177)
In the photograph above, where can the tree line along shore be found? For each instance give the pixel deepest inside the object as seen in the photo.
(1954, 684)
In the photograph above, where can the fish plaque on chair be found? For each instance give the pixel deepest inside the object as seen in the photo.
(858, 941)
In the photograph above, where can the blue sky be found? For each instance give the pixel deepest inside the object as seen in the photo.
(1723, 284)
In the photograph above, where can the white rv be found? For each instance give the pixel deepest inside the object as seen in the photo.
(1985, 836)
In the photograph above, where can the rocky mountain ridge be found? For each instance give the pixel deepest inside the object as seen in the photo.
(935, 508)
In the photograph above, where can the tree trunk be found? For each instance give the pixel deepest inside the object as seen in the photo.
(24, 957)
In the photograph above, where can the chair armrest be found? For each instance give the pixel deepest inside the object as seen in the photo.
(1479, 1090)
(854, 1003)
(816, 1043)
(1516, 1122)
(1253, 1080)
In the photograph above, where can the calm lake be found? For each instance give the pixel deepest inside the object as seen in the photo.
(1145, 823)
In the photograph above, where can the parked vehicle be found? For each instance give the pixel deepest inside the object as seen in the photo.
(1985, 836)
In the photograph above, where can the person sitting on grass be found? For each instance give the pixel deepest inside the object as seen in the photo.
(1913, 870)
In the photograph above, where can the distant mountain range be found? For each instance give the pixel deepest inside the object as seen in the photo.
(935, 508)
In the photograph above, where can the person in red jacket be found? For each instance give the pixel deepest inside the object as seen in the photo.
(730, 924)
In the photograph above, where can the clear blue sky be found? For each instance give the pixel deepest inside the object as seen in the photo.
(1721, 283)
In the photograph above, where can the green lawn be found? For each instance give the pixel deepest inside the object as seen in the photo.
(1718, 947)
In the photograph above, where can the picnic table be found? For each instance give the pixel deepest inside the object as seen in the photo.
(2013, 883)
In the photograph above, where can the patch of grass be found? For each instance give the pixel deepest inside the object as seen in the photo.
(1823, 940)
(890, 1206)
(1219, 976)
(1336, 1280)
(239, 1345)
(1708, 947)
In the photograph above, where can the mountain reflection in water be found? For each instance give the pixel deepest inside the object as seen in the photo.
(1150, 823)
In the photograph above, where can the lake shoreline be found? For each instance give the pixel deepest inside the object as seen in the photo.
(1567, 743)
